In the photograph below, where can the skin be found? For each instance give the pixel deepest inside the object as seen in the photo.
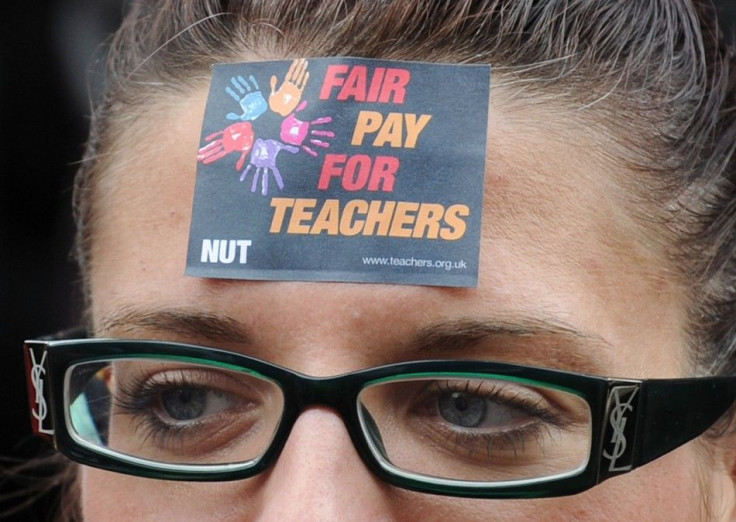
(557, 246)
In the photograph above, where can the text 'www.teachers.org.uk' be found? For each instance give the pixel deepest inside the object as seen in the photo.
(414, 262)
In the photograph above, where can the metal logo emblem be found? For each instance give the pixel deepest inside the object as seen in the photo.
(37, 375)
(619, 431)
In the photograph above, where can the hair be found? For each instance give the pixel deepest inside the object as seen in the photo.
(40, 486)
(654, 75)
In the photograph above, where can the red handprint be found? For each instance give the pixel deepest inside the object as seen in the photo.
(237, 137)
(294, 131)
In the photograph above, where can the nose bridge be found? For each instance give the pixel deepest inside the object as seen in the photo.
(337, 394)
(319, 475)
(334, 392)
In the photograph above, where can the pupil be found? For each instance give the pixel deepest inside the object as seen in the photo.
(184, 403)
(462, 409)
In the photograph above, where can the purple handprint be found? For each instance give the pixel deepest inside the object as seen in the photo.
(294, 131)
(263, 158)
(251, 99)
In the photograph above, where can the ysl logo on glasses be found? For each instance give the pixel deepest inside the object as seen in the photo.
(618, 417)
(37, 375)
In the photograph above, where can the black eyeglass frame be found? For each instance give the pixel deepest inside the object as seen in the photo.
(633, 421)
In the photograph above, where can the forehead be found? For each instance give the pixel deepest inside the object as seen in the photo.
(557, 239)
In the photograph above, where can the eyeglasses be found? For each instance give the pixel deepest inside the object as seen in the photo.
(462, 428)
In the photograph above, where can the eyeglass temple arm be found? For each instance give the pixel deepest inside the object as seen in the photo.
(668, 413)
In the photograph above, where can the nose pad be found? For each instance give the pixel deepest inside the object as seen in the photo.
(320, 476)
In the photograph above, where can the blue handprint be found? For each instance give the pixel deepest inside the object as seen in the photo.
(263, 158)
(251, 99)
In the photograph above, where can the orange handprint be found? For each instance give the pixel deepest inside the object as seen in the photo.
(287, 97)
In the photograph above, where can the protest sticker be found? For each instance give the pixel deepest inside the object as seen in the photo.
(341, 169)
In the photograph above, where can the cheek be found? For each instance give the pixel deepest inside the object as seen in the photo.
(666, 489)
(110, 496)
(640, 495)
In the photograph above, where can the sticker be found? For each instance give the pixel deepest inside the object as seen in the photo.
(341, 169)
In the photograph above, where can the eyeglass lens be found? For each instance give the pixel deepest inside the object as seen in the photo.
(448, 426)
(172, 412)
(476, 429)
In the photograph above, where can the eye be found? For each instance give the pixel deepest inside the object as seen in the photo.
(469, 410)
(174, 412)
(186, 404)
(479, 405)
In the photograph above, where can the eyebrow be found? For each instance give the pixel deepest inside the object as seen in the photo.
(552, 343)
(182, 321)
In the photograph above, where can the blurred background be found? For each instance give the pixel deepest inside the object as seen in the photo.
(51, 55)
(50, 59)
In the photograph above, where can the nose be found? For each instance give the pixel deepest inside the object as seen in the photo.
(320, 476)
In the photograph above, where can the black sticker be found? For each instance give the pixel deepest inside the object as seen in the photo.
(341, 169)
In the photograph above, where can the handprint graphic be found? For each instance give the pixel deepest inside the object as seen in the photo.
(263, 158)
(294, 131)
(251, 99)
(237, 137)
(262, 128)
(287, 97)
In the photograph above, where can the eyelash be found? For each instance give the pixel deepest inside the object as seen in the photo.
(136, 398)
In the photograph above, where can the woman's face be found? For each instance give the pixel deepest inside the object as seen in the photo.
(567, 280)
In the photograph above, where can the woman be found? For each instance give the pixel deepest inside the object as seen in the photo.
(606, 248)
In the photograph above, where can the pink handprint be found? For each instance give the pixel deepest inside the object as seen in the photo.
(237, 137)
(263, 158)
(294, 131)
